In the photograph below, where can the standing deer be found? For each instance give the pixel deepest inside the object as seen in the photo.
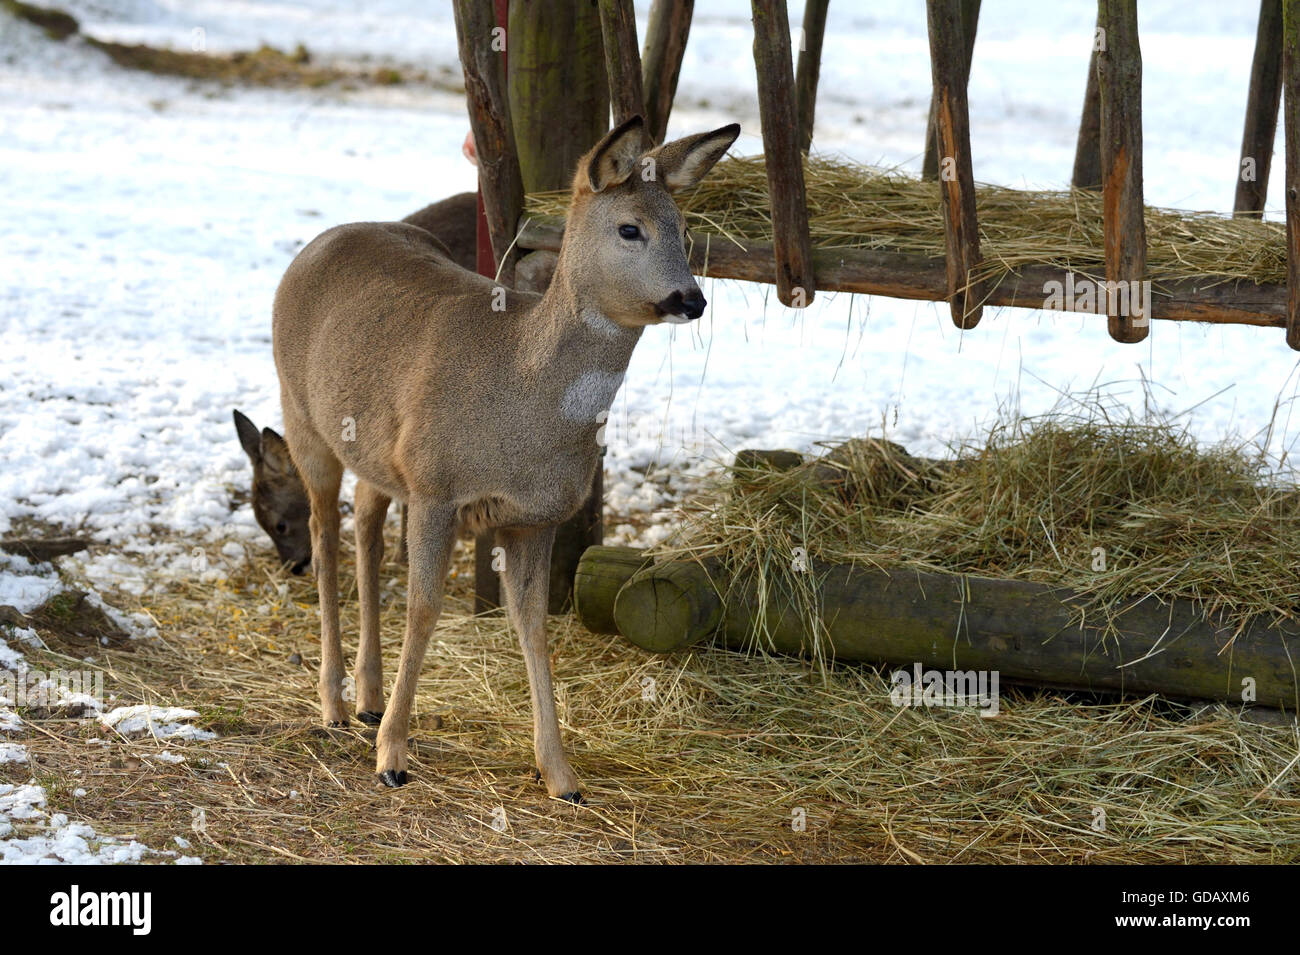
(279, 500)
(478, 406)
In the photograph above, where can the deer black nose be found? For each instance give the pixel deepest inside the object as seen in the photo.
(690, 305)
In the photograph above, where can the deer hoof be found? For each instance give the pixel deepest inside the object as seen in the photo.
(370, 717)
(393, 778)
(337, 724)
(573, 797)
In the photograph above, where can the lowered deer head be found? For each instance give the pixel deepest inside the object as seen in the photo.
(279, 500)
(476, 405)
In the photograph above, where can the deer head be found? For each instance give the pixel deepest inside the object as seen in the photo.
(279, 499)
(625, 239)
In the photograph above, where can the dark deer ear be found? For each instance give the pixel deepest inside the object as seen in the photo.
(275, 453)
(249, 437)
(614, 157)
(684, 162)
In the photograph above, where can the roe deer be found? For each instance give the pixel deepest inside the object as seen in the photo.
(477, 405)
(279, 499)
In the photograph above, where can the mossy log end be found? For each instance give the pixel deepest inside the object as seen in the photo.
(1026, 631)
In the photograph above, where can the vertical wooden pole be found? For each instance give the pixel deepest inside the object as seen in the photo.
(792, 248)
(970, 17)
(559, 97)
(1291, 130)
(1087, 150)
(661, 62)
(1123, 213)
(622, 59)
(809, 68)
(1261, 114)
(956, 175)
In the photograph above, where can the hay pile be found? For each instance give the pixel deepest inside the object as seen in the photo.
(1087, 496)
(716, 765)
(856, 206)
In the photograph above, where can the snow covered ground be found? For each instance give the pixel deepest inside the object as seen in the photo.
(147, 221)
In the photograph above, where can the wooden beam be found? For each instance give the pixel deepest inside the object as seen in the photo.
(622, 59)
(1291, 73)
(809, 68)
(1261, 114)
(1123, 212)
(1210, 299)
(482, 56)
(795, 281)
(956, 177)
(970, 16)
(1087, 149)
(1025, 631)
(661, 63)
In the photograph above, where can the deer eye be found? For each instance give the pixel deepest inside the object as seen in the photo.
(281, 528)
(629, 232)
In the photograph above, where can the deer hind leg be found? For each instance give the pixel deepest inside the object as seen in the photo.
(432, 530)
(526, 576)
(371, 509)
(322, 473)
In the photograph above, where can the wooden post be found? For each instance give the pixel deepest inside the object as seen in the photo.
(795, 282)
(1123, 213)
(809, 68)
(661, 63)
(1291, 129)
(559, 98)
(622, 58)
(970, 16)
(956, 176)
(1261, 114)
(1087, 150)
(482, 55)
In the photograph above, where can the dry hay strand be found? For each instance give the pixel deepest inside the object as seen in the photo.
(851, 205)
(708, 756)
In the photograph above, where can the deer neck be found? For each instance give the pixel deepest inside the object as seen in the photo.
(575, 352)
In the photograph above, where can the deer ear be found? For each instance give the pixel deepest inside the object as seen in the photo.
(249, 437)
(275, 453)
(684, 162)
(614, 157)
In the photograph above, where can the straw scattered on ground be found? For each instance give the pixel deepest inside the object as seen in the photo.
(851, 205)
(709, 756)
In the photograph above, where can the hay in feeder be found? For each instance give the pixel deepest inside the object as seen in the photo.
(851, 205)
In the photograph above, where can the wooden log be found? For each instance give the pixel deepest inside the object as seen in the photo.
(43, 548)
(792, 248)
(1291, 130)
(661, 63)
(1027, 632)
(622, 59)
(601, 573)
(809, 68)
(1261, 114)
(668, 608)
(559, 96)
(902, 275)
(1123, 212)
(956, 177)
(1087, 149)
(970, 16)
(482, 56)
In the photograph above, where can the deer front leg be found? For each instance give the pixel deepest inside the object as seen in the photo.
(371, 508)
(526, 576)
(432, 533)
(322, 482)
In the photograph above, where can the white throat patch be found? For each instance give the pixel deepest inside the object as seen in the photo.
(591, 393)
(599, 322)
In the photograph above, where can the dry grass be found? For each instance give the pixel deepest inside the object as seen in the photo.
(856, 206)
(714, 768)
